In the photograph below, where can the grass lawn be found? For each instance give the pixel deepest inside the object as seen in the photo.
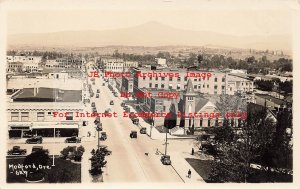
(202, 167)
(63, 172)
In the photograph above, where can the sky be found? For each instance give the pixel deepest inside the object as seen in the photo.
(226, 21)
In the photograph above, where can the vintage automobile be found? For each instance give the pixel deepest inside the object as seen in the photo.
(207, 143)
(135, 120)
(97, 95)
(16, 150)
(93, 104)
(127, 109)
(122, 104)
(94, 109)
(73, 139)
(133, 134)
(103, 84)
(98, 90)
(34, 140)
(165, 159)
(104, 148)
(143, 130)
(111, 102)
(115, 94)
(103, 136)
(38, 148)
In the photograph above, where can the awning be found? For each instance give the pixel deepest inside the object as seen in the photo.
(59, 126)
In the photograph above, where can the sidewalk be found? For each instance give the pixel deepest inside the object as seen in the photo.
(182, 166)
(49, 140)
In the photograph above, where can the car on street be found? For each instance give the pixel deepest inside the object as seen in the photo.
(103, 84)
(97, 95)
(16, 150)
(103, 136)
(166, 160)
(115, 94)
(122, 104)
(98, 90)
(106, 151)
(93, 104)
(143, 130)
(111, 102)
(34, 140)
(94, 109)
(133, 134)
(73, 139)
(207, 143)
(38, 148)
(127, 109)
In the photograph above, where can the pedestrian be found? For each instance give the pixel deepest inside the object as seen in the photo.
(189, 173)
(192, 151)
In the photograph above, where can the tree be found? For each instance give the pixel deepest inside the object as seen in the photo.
(233, 162)
(97, 162)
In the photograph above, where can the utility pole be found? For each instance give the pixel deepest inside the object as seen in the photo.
(167, 130)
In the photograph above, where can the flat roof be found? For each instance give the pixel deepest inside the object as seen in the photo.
(48, 95)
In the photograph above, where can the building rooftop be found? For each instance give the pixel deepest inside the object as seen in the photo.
(43, 94)
(271, 98)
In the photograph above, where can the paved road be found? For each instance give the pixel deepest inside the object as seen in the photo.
(128, 162)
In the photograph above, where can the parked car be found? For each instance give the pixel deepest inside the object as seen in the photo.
(122, 104)
(97, 95)
(93, 104)
(73, 139)
(103, 136)
(94, 109)
(207, 143)
(133, 134)
(98, 90)
(115, 94)
(103, 84)
(166, 160)
(143, 130)
(127, 109)
(106, 151)
(135, 121)
(38, 148)
(34, 140)
(16, 150)
(111, 102)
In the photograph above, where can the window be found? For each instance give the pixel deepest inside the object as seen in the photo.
(203, 86)
(199, 79)
(144, 78)
(195, 86)
(164, 108)
(178, 86)
(216, 79)
(178, 78)
(24, 116)
(207, 86)
(69, 116)
(150, 78)
(208, 122)
(242, 83)
(156, 85)
(216, 87)
(185, 78)
(162, 86)
(40, 116)
(170, 86)
(156, 78)
(195, 79)
(14, 116)
(163, 78)
(170, 78)
(223, 87)
(150, 85)
(201, 122)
